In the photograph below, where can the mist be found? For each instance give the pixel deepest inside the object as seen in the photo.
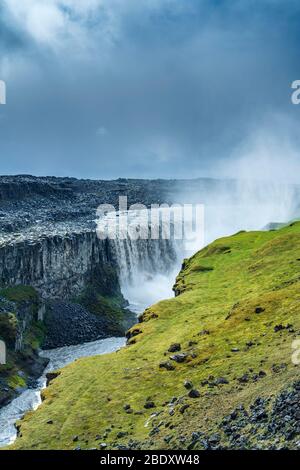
(256, 189)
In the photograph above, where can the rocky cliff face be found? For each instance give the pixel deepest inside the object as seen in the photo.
(78, 277)
(22, 334)
(48, 235)
(58, 266)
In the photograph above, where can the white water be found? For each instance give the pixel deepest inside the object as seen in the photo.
(141, 243)
(147, 253)
(30, 399)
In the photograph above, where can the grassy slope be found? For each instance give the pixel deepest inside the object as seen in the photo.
(249, 270)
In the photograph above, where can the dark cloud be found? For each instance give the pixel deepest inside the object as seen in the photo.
(143, 88)
(10, 39)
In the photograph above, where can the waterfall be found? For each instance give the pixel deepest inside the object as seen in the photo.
(143, 245)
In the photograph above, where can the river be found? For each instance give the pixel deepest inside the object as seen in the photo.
(30, 399)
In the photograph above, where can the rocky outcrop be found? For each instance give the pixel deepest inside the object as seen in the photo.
(18, 188)
(22, 335)
(68, 324)
(58, 266)
(268, 424)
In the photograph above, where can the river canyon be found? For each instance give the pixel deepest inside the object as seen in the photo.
(91, 289)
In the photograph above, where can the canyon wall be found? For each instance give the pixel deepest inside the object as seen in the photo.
(57, 266)
(60, 266)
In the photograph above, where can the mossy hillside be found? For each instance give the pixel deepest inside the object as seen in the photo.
(102, 296)
(20, 294)
(25, 298)
(17, 304)
(238, 317)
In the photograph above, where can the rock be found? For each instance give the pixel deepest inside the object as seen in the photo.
(122, 434)
(50, 421)
(234, 350)
(278, 328)
(149, 404)
(188, 384)
(174, 347)
(259, 310)
(183, 408)
(204, 332)
(75, 438)
(133, 332)
(244, 379)
(103, 445)
(221, 380)
(214, 439)
(166, 365)
(179, 357)
(50, 376)
(68, 323)
(277, 368)
(126, 407)
(194, 393)
(196, 436)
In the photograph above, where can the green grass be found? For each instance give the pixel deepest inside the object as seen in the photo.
(24, 299)
(102, 296)
(109, 309)
(19, 294)
(15, 381)
(218, 291)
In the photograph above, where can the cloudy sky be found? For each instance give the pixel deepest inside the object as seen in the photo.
(149, 88)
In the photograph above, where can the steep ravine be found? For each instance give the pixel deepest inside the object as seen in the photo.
(63, 287)
(210, 368)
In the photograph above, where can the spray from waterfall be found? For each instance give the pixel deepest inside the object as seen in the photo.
(148, 245)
